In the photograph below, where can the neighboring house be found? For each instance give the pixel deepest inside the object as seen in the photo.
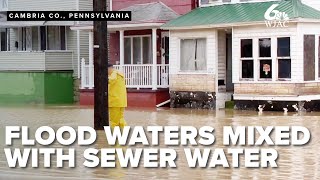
(228, 48)
(39, 60)
(137, 48)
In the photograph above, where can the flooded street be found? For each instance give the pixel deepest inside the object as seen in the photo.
(293, 162)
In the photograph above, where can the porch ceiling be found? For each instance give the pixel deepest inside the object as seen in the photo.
(240, 13)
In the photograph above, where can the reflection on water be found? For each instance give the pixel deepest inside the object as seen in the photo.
(293, 162)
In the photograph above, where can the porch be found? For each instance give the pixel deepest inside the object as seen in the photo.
(137, 76)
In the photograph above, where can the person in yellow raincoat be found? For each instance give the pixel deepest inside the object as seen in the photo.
(117, 97)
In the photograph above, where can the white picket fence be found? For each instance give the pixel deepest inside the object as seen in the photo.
(136, 75)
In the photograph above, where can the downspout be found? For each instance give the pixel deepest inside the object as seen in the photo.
(110, 5)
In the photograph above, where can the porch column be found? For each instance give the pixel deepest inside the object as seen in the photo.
(121, 49)
(91, 57)
(154, 59)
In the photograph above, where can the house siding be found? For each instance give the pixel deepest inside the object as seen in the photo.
(72, 46)
(58, 60)
(222, 56)
(182, 81)
(12, 61)
(38, 5)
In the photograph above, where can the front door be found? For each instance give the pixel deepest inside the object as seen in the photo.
(164, 58)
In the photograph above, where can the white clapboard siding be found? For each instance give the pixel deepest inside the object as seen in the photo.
(84, 45)
(10, 61)
(72, 46)
(58, 60)
(222, 55)
(39, 5)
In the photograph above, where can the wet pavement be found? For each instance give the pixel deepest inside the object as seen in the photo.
(294, 162)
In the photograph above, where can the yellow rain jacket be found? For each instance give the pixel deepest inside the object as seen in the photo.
(117, 90)
(117, 99)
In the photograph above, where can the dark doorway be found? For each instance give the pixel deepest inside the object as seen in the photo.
(229, 84)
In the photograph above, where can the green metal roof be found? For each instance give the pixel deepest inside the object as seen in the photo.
(241, 13)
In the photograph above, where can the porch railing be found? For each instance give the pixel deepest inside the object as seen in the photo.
(136, 75)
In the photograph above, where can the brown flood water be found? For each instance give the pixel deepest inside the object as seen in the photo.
(294, 162)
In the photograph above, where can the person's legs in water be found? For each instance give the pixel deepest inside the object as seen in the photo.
(116, 116)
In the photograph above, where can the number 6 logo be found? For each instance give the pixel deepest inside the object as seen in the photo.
(273, 11)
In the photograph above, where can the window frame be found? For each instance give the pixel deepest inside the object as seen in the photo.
(246, 59)
(206, 56)
(270, 58)
(141, 47)
(47, 38)
(7, 45)
(283, 58)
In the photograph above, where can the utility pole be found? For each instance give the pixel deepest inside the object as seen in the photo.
(101, 113)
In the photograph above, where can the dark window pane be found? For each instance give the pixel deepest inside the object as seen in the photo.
(63, 37)
(43, 38)
(127, 50)
(247, 68)
(3, 38)
(284, 47)
(265, 47)
(319, 58)
(246, 48)
(284, 66)
(166, 49)
(147, 56)
(265, 69)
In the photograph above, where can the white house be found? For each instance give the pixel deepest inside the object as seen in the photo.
(47, 50)
(260, 52)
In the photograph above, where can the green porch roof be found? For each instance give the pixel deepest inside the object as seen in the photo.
(241, 13)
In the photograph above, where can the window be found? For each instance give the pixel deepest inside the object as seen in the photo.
(193, 55)
(265, 47)
(284, 47)
(3, 40)
(266, 69)
(265, 61)
(137, 50)
(283, 57)
(43, 37)
(247, 69)
(127, 50)
(247, 64)
(53, 38)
